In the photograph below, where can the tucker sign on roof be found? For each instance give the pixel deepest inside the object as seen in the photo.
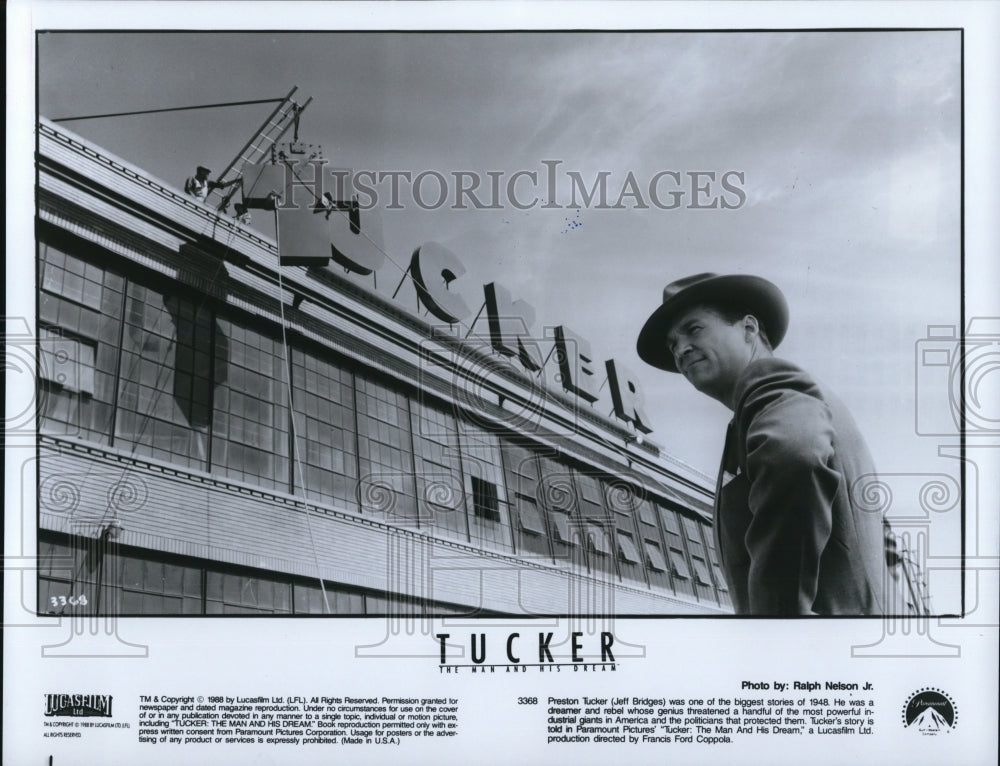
(331, 225)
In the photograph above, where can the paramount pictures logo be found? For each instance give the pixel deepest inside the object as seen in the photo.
(78, 705)
(930, 711)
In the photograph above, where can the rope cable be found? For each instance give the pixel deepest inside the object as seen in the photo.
(295, 441)
(169, 109)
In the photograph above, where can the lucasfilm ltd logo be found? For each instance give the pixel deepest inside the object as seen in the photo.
(78, 705)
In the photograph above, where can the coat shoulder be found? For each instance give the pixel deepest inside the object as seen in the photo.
(766, 379)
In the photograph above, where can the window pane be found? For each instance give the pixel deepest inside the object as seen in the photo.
(386, 479)
(531, 520)
(560, 526)
(75, 341)
(627, 550)
(599, 539)
(439, 480)
(482, 461)
(670, 522)
(152, 586)
(654, 556)
(67, 362)
(701, 571)
(250, 423)
(484, 495)
(720, 579)
(679, 564)
(323, 393)
(590, 496)
(556, 488)
(230, 593)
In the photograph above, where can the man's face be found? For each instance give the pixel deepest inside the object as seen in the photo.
(708, 351)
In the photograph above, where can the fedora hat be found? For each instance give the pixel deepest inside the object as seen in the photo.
(202, 170)
(754, 294)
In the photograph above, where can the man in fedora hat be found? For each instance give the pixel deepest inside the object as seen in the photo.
(791, 536)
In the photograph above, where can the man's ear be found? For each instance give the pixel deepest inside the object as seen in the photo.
(751, 328)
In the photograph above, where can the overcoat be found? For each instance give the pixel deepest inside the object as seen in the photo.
(793, 533)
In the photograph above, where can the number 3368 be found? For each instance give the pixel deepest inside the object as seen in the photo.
(80, 600)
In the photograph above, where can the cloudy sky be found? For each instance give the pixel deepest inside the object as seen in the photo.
(848, 145)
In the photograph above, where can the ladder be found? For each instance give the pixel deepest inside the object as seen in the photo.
(284, 116)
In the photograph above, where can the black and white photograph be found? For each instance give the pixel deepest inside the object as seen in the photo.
(616, 389)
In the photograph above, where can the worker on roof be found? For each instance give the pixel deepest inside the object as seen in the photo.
(198, 185)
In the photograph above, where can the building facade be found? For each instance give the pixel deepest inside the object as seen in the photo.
(220, 434)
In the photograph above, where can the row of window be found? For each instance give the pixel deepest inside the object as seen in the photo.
(143, 367)
(88, 576)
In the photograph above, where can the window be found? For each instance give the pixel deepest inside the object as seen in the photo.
(143, 582)
(531, 520)
(521, 474)
(701, 571)
(79, 315)
(589, 493)
(626, 549)
(386, 483)
(654, 556)
(309, 600)
(713, 557)
(229, 593)
(626, 505)
(560, 528)
(390, 604)
(720, 579)
(132, 582)
(66, 571)
(692, 528)
(556, 488)
(670, 522)
(677, 553)
(646, 513)
(323, 399)
(484, 499)
(644, 522)
(699, 557)
(250, 420)
(156, 587)
(599, 535)
(679, 565)
(66, 362)
(440, 489)
(482, 464)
